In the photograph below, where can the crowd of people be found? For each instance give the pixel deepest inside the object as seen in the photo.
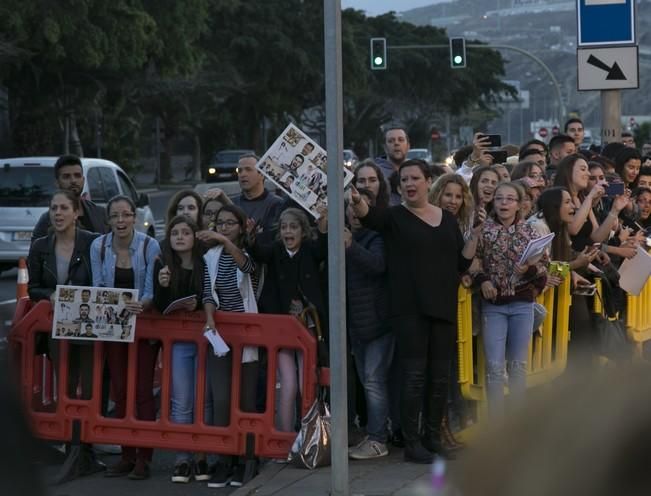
(414, 232)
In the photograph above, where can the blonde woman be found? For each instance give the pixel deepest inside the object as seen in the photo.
(450, 192)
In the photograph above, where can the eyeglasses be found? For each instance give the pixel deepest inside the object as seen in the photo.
(123, 215)
(505, 199)
(210, 213)
(229, 223)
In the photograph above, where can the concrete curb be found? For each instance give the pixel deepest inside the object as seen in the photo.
(266, 474)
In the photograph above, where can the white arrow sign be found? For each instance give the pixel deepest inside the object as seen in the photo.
(613, 68)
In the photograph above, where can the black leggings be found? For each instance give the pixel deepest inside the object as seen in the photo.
(218, 387)
(425, 346)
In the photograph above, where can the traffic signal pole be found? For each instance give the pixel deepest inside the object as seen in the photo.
(537, 60)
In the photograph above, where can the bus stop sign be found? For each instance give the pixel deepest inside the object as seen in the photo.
(605, 22)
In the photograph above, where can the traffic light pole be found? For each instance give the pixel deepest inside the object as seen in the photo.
(537, 60)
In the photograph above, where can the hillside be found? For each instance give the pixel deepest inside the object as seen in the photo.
(548, 30)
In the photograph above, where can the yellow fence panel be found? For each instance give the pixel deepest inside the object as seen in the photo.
(548, 348)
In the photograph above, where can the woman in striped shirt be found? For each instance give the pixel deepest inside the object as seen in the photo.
(229, 286)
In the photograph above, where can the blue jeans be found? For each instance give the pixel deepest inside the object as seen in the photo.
(372, 359)
(184, 381)
(507, 331)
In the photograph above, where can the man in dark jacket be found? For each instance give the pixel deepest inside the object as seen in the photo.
(396, 147)
(69, 176)
(371, 338)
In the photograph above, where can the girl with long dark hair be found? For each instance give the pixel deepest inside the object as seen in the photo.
(178, 275)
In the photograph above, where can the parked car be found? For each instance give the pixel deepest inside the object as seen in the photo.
(223, 167)
(420, 153)
(27, 184)
(350, 159)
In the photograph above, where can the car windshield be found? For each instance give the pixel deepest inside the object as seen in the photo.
(228, 157)
(348, 155)
(417, 154)
(26, 186)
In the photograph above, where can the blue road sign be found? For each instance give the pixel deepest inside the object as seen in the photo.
(606, 22)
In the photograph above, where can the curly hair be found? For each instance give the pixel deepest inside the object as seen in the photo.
(465, 212)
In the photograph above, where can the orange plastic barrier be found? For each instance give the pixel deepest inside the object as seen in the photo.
(58, 420)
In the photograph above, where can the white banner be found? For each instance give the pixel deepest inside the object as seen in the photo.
(297, 165)
(93, 314)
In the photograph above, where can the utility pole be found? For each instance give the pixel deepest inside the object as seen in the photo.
(339, 485)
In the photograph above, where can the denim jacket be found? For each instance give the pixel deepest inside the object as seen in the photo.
(142, 263)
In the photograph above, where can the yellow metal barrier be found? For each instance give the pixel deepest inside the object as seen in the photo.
(638, 318)
(548, 349)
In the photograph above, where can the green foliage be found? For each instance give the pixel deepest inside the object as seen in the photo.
(215, 69)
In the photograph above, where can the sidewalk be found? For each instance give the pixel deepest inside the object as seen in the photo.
(387, 476)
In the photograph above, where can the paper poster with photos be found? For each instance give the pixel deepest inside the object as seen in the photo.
(297, 165)
(93, 314)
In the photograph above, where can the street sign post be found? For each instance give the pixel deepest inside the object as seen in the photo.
(605, 22)
(611, 68)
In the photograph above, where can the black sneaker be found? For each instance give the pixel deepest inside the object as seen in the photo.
(222, 476)
(416, 453)
(182, 473)
(397, 440)
(201, 472)
(238, 476)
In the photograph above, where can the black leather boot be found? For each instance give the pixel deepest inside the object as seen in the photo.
(435, 406)
(417, 453)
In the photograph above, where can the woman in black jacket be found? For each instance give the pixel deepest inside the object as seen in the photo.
(63, 257)
(292, 285)
(371, 338)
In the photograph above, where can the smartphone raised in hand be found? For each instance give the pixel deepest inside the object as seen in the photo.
(494, 140)
(614, 189)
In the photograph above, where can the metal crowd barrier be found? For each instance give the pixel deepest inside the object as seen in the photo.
(638, 318)
(547, 351)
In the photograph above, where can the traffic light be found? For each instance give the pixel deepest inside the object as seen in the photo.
(378, 54)
(457, 53)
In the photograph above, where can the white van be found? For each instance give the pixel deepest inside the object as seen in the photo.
(27, 184)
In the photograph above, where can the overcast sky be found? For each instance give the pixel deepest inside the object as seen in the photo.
(375, 7)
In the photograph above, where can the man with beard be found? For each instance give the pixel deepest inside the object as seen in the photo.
(396, 146)
(69, 176)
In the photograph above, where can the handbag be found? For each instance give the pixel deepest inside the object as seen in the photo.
(311, 448)
(310, 319)
(611, 329)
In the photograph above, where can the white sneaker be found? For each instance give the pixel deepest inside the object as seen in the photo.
(368, 449)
